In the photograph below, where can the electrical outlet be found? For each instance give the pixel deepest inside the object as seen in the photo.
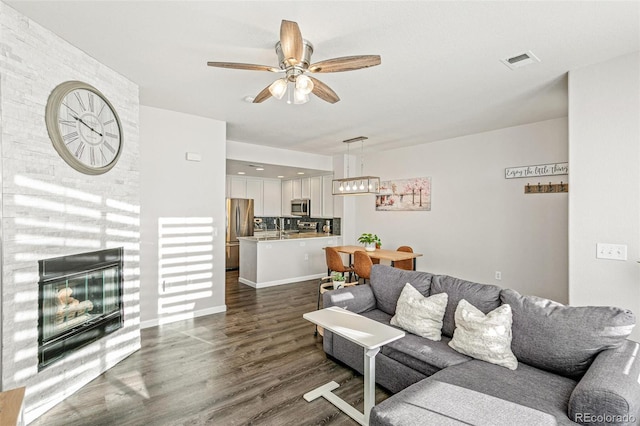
(306, 256)
(611, 251)
(498, 275)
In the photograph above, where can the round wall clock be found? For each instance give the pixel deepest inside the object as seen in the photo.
(84, 127)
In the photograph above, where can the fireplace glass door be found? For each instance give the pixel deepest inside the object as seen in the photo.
(77, 299)
(80, 301)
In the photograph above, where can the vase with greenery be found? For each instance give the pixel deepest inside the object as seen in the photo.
(338, 280)
(370, 241)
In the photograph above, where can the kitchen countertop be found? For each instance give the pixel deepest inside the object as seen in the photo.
(287, 237)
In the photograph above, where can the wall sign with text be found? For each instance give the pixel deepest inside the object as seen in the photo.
(534, 171)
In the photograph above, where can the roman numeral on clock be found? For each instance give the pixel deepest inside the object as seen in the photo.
(79, 98)
(80, 150)
(70, 137)
(92, 155)
(110, 148)
(67, 123)
(91, 101)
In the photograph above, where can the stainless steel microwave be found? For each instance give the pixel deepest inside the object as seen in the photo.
(301, 207)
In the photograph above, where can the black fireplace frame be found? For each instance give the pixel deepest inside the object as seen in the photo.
(56, 348)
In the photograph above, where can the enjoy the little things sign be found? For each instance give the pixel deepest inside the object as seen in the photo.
(539, 170)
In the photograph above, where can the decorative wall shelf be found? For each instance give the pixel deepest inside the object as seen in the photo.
(546, 188)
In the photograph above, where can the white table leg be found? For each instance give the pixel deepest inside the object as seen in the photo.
(369, 382)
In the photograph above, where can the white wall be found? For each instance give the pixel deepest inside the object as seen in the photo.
(604, 204)
(480, 222)
(182, 216)
(282, 157)
(51, 210)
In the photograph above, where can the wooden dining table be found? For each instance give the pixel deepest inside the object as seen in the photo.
(390, 255)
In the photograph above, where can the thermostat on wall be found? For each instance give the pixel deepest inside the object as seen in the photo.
(193, 156)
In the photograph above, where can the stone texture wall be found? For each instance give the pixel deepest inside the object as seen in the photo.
(50, 209)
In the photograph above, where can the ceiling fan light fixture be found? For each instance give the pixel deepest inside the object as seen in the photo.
(300, 97)
(278, 88)
(304, 84)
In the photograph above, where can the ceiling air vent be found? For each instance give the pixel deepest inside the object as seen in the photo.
(521, 60)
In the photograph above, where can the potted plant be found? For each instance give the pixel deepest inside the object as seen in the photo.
(338, 280)
(370, 241)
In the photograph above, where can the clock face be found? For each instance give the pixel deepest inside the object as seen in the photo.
(84, 127)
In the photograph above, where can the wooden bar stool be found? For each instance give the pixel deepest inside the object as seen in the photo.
(404, 264)
(362, 265)
(334, 262)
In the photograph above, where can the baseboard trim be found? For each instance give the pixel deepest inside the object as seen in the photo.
(175, 318)
(280, 282)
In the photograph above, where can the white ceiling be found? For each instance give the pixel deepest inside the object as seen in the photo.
(440, 75)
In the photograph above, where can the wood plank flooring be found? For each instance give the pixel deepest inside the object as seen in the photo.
(248, 366)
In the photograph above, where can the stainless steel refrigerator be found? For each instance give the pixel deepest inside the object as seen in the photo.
(239, 224)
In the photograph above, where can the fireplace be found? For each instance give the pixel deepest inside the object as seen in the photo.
(80, 301)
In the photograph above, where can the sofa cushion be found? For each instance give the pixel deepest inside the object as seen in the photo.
(431, 402)
(387, 284)
(418, 314)
(484, 297)
(564, 339)
(486, 337)
(528, 386)
(424, 355)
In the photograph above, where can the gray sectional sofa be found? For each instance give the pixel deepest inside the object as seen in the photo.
(575, 364)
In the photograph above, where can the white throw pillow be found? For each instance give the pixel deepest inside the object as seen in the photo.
(485, 337)
(420, 315)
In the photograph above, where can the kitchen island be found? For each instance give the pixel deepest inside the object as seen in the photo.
(276, 259)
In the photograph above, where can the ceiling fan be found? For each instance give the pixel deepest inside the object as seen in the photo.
(294, 55)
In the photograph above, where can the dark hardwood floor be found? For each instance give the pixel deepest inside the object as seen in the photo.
(250, 365)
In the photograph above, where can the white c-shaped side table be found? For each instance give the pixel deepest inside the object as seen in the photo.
(369, 334)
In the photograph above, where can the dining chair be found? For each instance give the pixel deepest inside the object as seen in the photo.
(334, 262)
(404, 264)
(362, 265)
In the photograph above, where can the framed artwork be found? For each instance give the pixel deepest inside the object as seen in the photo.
(404, 194)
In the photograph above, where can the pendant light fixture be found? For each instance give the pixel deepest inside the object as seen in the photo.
(360, 185)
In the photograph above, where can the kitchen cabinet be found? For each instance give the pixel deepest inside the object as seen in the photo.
(315, 194)
(266, 193)
(287, 196)
(318, 189)
(237, 187)
(255, 191)
(272, 190)
(327, 196)
(296, 188)
(305, 188)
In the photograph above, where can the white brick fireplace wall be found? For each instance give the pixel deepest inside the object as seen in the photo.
(50, 210)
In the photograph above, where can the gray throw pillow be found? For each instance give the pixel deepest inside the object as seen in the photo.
(484, 297)
(387, 284)
(564, 339)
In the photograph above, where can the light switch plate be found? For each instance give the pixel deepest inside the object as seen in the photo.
(611, 251)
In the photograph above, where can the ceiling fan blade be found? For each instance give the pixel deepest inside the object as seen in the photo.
(323, 91)
(346, 63)
(238, 66)
(262, 96)
(291, 42)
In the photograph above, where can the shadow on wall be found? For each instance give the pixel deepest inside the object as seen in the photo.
(185, 262)
(47, 220)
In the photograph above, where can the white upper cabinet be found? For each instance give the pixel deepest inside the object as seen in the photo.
(272, 197)
(237, 187)
(305, 188)
(266, 193)
(296, 189)
(315, 194)
(327, 196)
(255, 191)
(287, 196)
